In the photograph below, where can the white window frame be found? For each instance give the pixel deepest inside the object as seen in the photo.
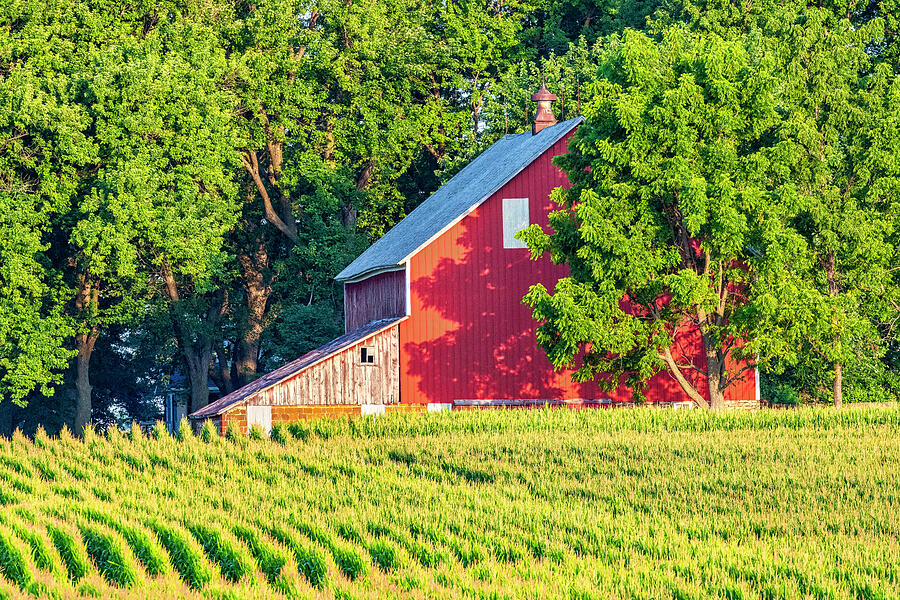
(516, 217)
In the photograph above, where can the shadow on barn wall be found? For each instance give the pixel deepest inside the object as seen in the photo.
(473, 338)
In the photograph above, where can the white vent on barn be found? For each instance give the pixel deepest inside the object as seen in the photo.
(515, 219)
(367, 355)
(259, 415)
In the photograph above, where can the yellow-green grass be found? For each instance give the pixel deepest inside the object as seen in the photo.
(481, 504)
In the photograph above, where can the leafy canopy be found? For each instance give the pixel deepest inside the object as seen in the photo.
(668, 198)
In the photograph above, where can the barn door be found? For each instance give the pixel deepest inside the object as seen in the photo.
(259, 415)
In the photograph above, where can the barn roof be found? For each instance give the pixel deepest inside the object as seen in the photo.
(477, 182)
(237, 397)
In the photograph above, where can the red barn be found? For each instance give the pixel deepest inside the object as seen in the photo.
(433, 310)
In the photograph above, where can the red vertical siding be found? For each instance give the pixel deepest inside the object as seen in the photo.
(469, 337)
(378, 297)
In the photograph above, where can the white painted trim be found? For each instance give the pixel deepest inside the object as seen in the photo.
(758, 393)
(371, 409)
(408, 288)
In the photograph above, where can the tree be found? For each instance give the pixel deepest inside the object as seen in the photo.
(668, 198)
(33, 327)
(155, 215)
(41, 144)
(836, 170)
(334, 102)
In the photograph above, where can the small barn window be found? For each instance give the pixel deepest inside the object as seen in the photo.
(515, 219)
(367, 356)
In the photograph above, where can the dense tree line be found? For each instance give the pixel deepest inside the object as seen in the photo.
(180, 180)
(738, 173)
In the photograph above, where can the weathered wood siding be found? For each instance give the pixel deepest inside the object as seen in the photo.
(379, 297)
(342, 379)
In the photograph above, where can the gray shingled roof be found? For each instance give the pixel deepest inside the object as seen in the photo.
(477, 182)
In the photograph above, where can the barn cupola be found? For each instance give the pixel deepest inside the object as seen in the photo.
(544, 117)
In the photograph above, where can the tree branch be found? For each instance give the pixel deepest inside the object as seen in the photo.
(170, 283)
(12, 139)
(251, 164)
(690, 390)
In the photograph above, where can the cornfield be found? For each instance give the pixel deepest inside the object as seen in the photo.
(624, 504)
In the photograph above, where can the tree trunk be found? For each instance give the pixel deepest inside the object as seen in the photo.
(196, 346)
(715, 357)
(220, 370)
(838, 384)
(258, 288)
(197, 357)
(82, 364)
(686, 386)
(285, 222)
(833, 291)
(715, 371)
(86, 300)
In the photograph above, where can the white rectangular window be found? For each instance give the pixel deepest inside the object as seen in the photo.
(515, 219)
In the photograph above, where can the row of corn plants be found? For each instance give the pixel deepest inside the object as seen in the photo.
(632, 504)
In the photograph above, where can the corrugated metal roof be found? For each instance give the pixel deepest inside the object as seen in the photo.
(477, 182)
(292, 368)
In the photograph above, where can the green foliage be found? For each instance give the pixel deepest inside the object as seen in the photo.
(779, 392)
(233, 434)
(146, 548)
(310, 561)
(572, 490)
(160, 431)
(209, 432)
(270, 559)
(184, 432)
(834, 176)
(186, 557)
(280, 433)
(257, 433)
(384, 555)
(221, 550)
(668, 195)
(113, 559)
(13, 564)
(73, 554)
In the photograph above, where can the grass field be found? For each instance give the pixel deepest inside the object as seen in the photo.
(482, 504)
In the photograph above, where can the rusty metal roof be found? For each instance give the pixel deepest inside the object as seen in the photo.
(242, 395)
(465, 191)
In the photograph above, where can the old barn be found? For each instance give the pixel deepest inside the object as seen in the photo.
(434, 317)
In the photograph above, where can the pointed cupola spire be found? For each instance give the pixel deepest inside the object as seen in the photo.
(544, 117)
